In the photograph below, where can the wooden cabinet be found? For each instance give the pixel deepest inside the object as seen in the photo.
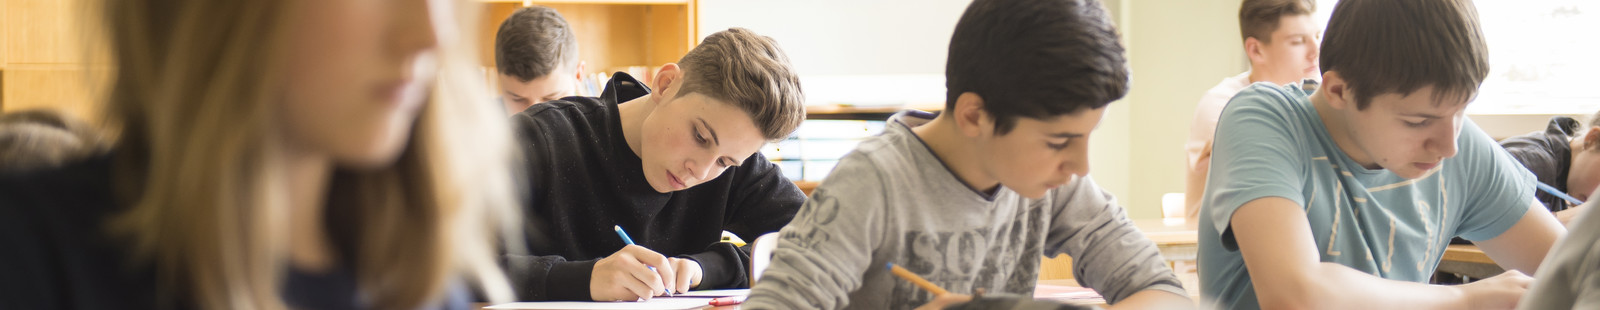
(44, 56)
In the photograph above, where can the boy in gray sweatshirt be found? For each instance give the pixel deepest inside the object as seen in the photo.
(973, 197)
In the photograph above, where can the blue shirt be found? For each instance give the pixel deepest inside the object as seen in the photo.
(1271, 143)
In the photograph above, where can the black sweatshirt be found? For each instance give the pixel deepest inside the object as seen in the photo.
(1548, 155)
(59, 255)
(584, 179)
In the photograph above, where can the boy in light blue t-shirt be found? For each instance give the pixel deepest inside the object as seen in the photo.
(1344, 195)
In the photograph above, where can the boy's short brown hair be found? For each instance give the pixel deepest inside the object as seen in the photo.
(533, 42)
(749, 71)
(40, 139)
(1399, 46)
(1035, 58)
(1259, 18)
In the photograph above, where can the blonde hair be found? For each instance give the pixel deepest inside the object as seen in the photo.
(192, 93)
(748, 71)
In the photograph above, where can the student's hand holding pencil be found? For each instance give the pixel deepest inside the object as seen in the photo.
(944, 301)
(627, 275)
(941, 299)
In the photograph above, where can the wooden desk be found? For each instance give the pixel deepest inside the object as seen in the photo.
(1466, 253)
(1469, 261)
(1177, 240)
(1190, 281)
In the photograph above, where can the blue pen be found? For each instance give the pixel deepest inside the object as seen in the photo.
(1555, 192)
(629, 241)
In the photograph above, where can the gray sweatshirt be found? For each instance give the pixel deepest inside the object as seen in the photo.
(1569, 277)
(893, 201)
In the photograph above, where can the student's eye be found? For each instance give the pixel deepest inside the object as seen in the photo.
(1420, 124)
(1059, 146)
(698, 138)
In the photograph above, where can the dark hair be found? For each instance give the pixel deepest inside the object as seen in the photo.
(40, 139)
(749, 71)
(533, 42)
(1259, 18)
(1035, 58)
(1399, 46)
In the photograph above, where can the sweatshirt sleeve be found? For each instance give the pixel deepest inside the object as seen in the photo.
(1108, 252)
(822, 255)
(761, 201)
(547, 277)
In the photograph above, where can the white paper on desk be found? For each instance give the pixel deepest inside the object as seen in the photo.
(716, 293)
(652, 304)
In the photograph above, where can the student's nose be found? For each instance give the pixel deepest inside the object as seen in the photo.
(703, 167)
(1311, 53)
(1076, 161)
(1443, 139)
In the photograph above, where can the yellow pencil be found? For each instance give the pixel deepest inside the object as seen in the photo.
(919, 281)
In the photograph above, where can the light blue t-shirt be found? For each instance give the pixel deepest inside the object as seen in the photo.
(1271, 143)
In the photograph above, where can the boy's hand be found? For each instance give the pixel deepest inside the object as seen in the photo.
(1498, 292)
(626, 275)
(689, 274)
(945, 301)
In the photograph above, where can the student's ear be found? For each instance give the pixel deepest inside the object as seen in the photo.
(666, 82)
(1591, 138)
(1253, 49)
(1336, 91)
(578, 72)
(969, 115)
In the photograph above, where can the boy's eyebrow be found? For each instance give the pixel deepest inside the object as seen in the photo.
(1065, 135)
(552, 93)
(1422, 115)
(708, 128)
(512, 95)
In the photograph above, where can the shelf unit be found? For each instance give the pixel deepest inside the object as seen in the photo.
(611, 34)
(43, 57)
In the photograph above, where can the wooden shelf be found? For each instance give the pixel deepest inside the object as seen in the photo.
(875, 113)
(589, 1)
(611, 33)
(807, 186)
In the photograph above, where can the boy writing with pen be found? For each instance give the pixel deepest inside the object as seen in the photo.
(674, 161)
(972, 197)
(1565, 158)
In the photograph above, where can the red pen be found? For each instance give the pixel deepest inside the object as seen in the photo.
(727, 301)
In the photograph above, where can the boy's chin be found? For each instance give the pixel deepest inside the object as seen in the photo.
(1031, 193)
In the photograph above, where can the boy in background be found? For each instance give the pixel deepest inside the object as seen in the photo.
(1281, 40)
(537, 57)
(1566, 155)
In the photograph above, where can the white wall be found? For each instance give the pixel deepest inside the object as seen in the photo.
(846, 37)
(1178, 49)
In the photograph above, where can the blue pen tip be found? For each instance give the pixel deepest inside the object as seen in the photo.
(888, 265)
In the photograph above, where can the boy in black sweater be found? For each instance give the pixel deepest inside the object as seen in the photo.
(673, 168)
(1565, 156)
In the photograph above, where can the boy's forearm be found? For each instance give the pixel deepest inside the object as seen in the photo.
(1335, 286)
(1275, 240)
(1154, 299)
